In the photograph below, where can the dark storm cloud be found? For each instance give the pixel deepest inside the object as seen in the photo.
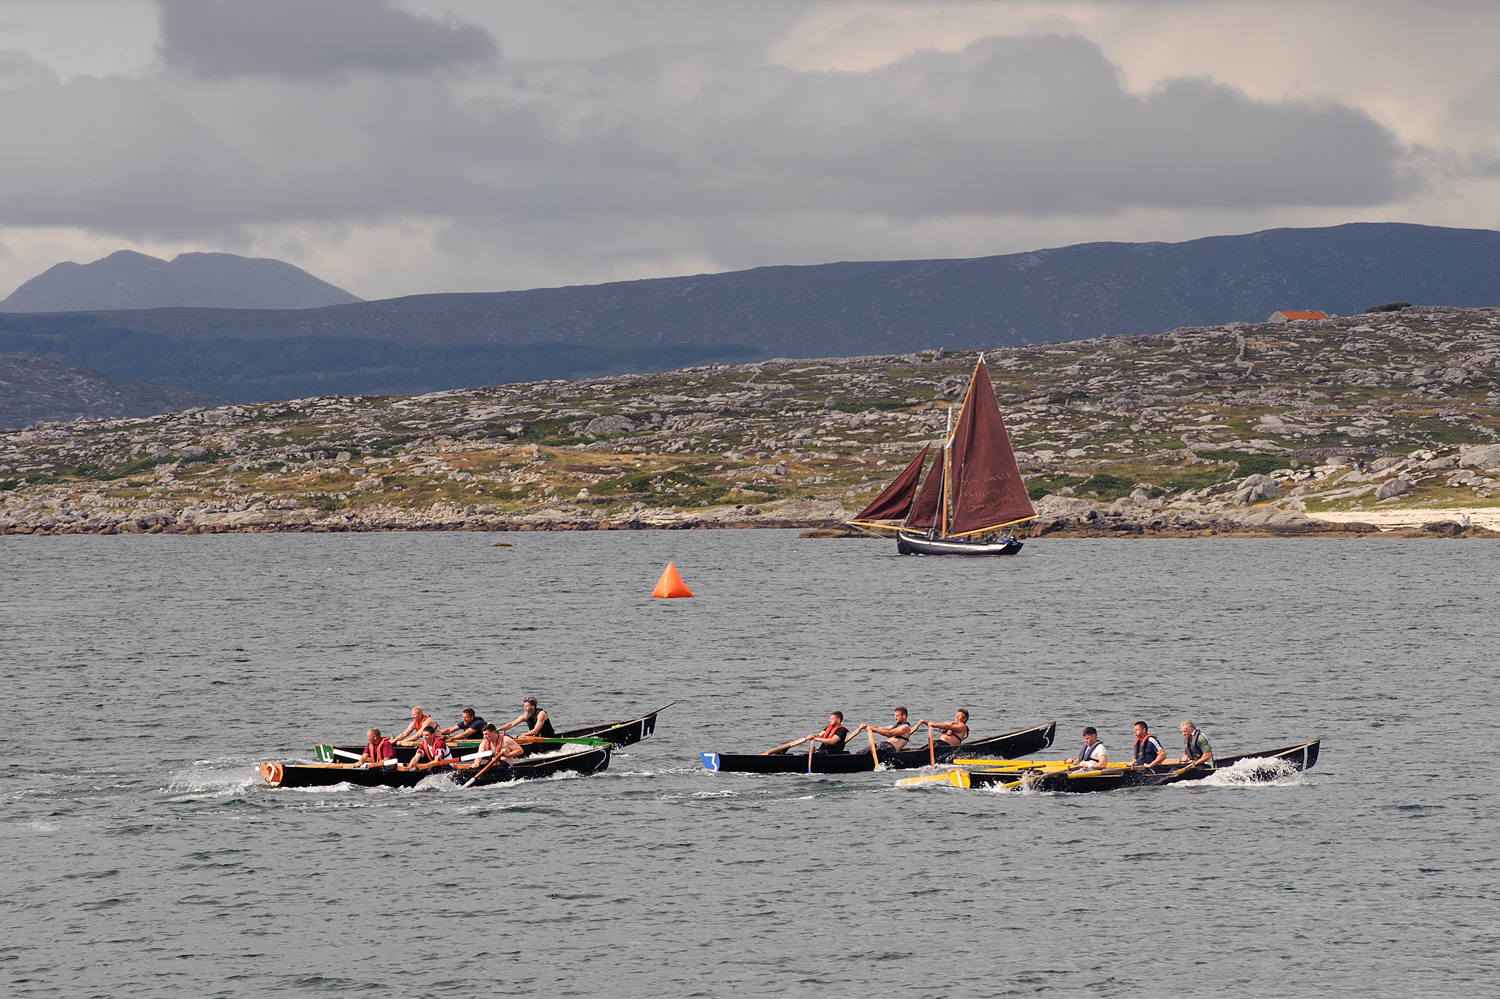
(1033, 126)
(312, 38)
(1036, 127)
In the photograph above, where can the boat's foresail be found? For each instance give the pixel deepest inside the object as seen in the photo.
(924, 510)
(894, 500)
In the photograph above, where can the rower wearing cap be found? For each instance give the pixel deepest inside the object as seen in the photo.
(1148, 748)
(1093, 755)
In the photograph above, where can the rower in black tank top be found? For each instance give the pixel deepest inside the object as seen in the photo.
(546, 731)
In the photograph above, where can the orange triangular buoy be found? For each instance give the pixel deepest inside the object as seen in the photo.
(670, 584)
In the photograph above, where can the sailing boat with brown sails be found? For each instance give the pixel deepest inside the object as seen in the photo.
(972, 492)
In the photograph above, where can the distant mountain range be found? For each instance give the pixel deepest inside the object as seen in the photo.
(34, 388)
(129, 280)
(429, 342)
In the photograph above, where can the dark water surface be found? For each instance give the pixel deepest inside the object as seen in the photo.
(146, 676)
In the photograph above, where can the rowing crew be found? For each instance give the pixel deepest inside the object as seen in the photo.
(895, 736)
(470, 726)
(434, 745)
(1148, 749)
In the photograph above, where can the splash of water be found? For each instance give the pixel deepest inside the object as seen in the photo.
(1259, 772)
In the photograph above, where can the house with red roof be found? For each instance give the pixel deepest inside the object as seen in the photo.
(1288, 316)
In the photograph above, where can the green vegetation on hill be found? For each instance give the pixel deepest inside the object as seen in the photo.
(1180, 417)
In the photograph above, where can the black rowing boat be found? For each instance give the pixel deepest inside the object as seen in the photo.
(622, 733)
(588, 761)
(1299, 757)
(1001, 747)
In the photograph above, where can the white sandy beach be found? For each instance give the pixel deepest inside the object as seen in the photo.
(1486, 516)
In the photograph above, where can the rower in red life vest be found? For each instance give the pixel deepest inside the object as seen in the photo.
(419, 721)
(831, 739)
(1093, 755)
(432, 749)
(1148, 748)
(379, 751)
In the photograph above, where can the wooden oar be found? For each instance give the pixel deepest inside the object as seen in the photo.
(581, 740)
(812, 747)
(789, 745)
(931, 752)
(874, 756)
(1178, 773)
(497, 758)
(956, 777)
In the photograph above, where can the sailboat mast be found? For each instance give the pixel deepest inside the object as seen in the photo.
(943, 496)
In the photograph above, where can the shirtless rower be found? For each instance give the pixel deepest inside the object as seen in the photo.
(419, 721)
(496, 741)
(896, 735)
(535, 719)
(954, 732)
(1093, 755)
(378, 750)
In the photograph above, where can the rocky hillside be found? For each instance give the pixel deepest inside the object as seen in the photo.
(32, 389)
(1239, 428)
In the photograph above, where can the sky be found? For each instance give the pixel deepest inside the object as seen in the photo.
(417, 146)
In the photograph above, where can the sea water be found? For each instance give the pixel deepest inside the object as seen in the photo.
(144, 678)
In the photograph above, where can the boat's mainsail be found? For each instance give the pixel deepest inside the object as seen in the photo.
(987, 488)
(894, 500)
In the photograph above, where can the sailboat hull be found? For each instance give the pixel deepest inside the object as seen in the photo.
(908, 543)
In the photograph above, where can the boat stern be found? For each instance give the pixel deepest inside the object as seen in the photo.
(271, 773)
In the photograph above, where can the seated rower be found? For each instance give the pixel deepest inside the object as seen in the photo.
(419, 721)
(1093, 755)
(432, 749)
(535, 719)
(470, 726)
(896, 735)
(1148, 748)
(953, 732)
(496, 741)
(379, 751)
(831, 739)
(1195, 748)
